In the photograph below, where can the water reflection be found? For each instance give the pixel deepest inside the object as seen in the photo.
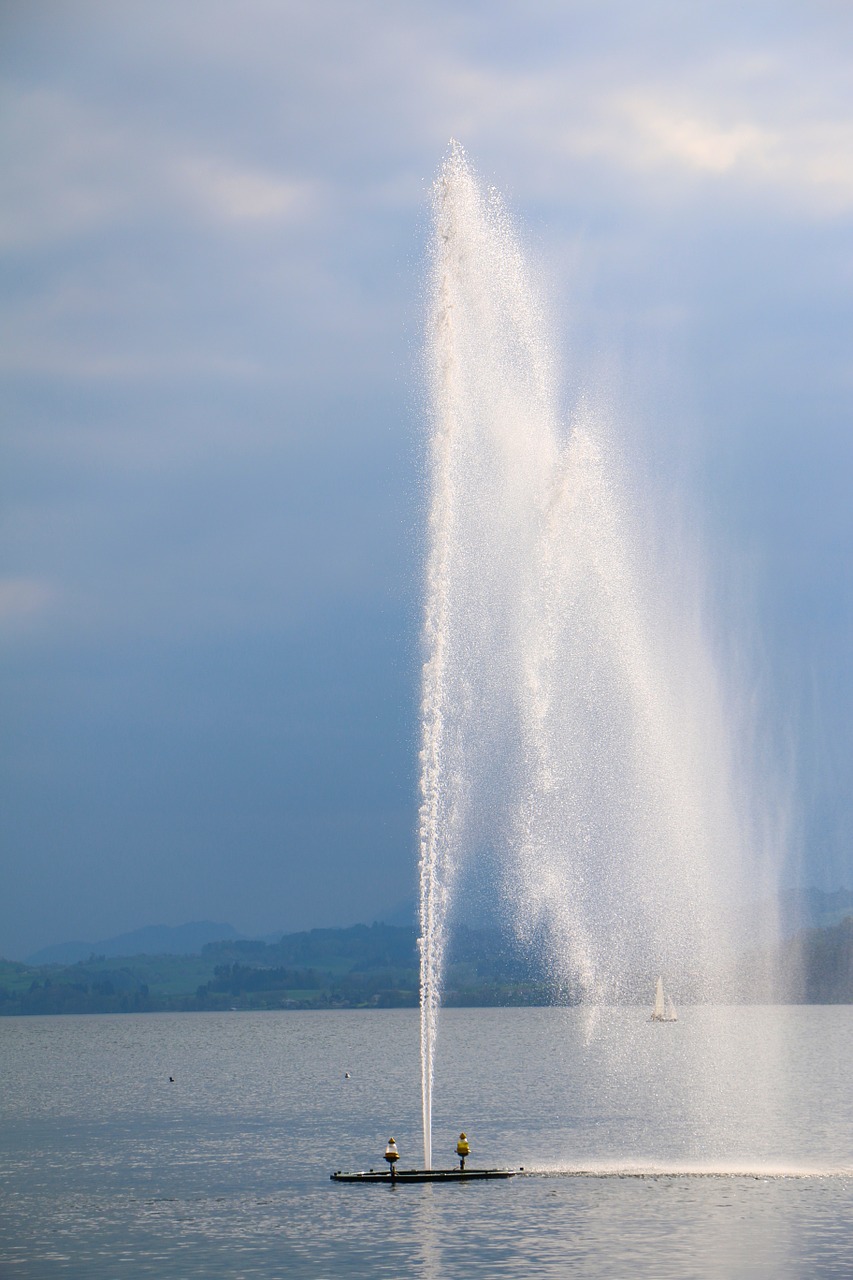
(108, 1169)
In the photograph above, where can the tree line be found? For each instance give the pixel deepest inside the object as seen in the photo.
(377, 967)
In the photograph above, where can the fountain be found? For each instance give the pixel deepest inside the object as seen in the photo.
(572, 720)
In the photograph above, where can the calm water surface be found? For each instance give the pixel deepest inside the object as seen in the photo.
(720, 1146)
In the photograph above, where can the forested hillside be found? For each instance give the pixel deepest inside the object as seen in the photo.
(376, 966)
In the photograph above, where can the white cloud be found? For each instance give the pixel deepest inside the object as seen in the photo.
(57, 162)
(761, 116)
(665, 136)
(805, 163)
(23, 598)
(69, 170)
(236, 194)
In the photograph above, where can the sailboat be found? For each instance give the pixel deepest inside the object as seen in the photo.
(664, 1010)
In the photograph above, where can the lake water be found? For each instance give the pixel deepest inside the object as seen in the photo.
(718, 1146)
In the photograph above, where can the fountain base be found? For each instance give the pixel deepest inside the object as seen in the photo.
(423, 1175)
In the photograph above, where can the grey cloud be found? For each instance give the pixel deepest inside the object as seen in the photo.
(212, 259)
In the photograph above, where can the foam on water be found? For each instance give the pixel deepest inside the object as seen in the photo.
(574, 738)
(664, 1169)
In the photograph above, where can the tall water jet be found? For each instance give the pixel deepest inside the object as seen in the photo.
(491, 452)
(572, 721)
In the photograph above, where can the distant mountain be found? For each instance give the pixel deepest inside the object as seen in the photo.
(812, 909)
(153, 940)
(377, 966)
(816, 967)
(402, 914)
(796, 909)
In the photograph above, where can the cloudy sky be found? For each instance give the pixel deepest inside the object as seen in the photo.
(213, 223)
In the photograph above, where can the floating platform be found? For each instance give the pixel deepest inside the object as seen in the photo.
(424, 1175)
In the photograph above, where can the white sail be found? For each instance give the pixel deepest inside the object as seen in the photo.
(659, 1009)
(664, 1010)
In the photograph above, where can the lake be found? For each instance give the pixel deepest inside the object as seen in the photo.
(717, 1146)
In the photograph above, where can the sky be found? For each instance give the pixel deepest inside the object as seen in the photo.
(214, 220)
